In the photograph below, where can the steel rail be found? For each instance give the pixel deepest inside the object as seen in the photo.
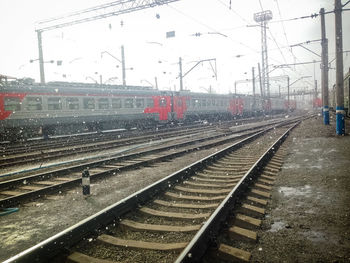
(12, 200)
(49, 189)
(54, 245)
(208, 232)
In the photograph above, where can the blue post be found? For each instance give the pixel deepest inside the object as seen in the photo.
(326, 115)
(340, 120)
(85, 181)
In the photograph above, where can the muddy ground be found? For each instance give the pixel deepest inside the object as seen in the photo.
(308, 218)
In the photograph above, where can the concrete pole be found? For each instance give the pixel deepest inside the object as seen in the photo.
(123, 66)
(253, 79)
(324, 67)
(156, 81)
(340, 113)
(41, 58)
(288, 106)
(261, 86)
(180, 74)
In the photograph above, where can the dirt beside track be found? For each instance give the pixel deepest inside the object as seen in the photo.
(308, 218)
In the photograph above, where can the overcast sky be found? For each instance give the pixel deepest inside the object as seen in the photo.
(235, 46)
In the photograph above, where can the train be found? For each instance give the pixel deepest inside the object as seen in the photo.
(29, 109)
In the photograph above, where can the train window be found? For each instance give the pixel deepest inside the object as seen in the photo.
(12, 104)
(140, 103)
(149, 103)
(162, 102)
(188, 103)
(129, 103)
(195, 103)
(204, 103)
(213, 102)
(54, 103)
(116, 103)
(208, 103)
(89, 103)
(103, 103)
(34, 103)
(179, 102)
(73, 103)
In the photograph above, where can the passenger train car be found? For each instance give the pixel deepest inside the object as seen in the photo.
(58, 107)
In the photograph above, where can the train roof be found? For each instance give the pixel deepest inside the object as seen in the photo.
(72, 88)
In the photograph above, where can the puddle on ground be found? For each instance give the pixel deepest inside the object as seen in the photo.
(315, 236)
(315, 150)
(295, 191)
(277, 226)
(290, 166)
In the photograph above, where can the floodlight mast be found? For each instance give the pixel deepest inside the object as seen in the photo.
(91, 14)
(262, 18)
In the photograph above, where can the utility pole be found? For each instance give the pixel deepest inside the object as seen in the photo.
(340, 113)
(123, 66)
(41, 57)
(261, 86)
(288, 108)
(253, 79)
(324, 67)
(315, 95)
(262, 18)
(156, 82)
(180, 74)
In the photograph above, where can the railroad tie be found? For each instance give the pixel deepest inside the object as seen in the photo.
(46, 182)
(262, 187)
(11, 193)
(185, 205)
(196, 178)
(264, 181)
(248, 222)
(252, 210)
(194, 197)
(31, 187)
(194, 183)
(267, 177)
(202, 191)
(157, 228)
(126, 243)
(233, 254)
(77, 257)
(243, 234)
(259, 194)
(191, 216)
(256, 201)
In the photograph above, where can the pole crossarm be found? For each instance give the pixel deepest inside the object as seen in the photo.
(301, 45)
(200, 61)
(98, 12)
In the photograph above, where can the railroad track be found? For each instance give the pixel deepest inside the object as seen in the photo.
(39, 184)
(63, 151)
(175, 219)
(18, 154)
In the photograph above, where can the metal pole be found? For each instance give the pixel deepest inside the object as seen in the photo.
(261, 86)
(85, 182)
(253, 78)
(41, 58)
(324, 67)
(156, 81)
(235, 87)
(123, 66)
(340, 118)
(315, 95)
(288, 106)
(180, 75)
